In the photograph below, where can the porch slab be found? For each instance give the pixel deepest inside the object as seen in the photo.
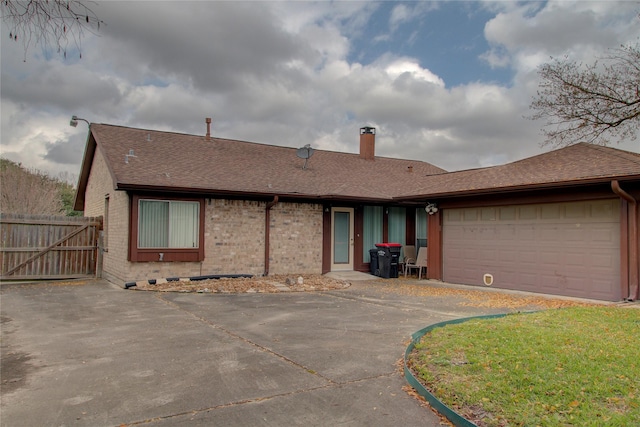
(351, 276)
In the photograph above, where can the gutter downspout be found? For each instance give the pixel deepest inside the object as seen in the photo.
(634, 288)
(267, 223)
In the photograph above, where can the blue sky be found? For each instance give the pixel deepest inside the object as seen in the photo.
(447, 82)
(448, 40)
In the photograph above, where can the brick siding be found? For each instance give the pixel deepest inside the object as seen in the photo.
(234, 236)
(296, 239)
(116, 222)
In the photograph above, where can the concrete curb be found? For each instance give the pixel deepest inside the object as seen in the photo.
(451, 415)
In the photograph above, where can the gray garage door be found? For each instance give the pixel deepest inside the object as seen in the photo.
(568, 249)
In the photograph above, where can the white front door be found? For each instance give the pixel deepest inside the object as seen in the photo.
(341, 239)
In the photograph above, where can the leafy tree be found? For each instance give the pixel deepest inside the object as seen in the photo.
(33, 192)
(50, 23)
(590, 103)
(67, 195)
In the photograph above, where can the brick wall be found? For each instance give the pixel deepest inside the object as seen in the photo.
(98, 184)
(296, 239)
(234, 236)
(116, 221)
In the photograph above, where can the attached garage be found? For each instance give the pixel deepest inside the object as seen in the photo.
(570, 249)
(565, 222)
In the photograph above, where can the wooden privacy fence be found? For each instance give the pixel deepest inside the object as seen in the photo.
(48, 247)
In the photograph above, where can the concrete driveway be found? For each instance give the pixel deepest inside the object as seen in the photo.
(94, 354)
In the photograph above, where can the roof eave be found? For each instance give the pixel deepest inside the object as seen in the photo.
(519, 188)
(208, 192)
(83, 178)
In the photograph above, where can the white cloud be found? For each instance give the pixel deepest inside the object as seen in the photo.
(562, 27)
(280, 73)
(408, 66)
(399, 14)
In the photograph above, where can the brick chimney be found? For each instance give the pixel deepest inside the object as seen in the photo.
(368, 143)
(208, 120)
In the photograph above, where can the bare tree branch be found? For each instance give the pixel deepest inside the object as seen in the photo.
(28, 191)
(590, 103)
(52, 24)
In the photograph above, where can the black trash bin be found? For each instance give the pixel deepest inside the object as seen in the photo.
(373, 266)
(388, 258)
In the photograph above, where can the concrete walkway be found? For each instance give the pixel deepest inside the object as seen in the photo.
(352, 276)
(94, 354)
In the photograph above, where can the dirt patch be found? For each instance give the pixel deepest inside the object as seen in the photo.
(270, 284)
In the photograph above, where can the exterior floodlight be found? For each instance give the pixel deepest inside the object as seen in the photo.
(431, 208)
(74, 121)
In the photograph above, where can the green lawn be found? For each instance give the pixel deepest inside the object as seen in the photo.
(569, 367)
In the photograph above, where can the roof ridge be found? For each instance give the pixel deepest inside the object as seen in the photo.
(148, 130)
(217, 138)
(627, 155)
(526, 159)
(342, 153)
(617, 152)
(471, 171)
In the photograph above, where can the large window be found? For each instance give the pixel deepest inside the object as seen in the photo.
(168, 224)
(372, 230)
(398, 227)
(166, 230)
(421, 227)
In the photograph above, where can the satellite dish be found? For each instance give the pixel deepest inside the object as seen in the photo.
(305, 153)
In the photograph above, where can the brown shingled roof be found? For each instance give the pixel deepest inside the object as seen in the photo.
(576, 164)
(168, 161)
(165, 161)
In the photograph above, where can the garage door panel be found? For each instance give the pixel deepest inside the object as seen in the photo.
(550, 211)
(549, 259)
(527, 212)
(506, 256)
(576, 210)
(575, 235)
(487, 256)
(602, 234)
(602, 210)
(574, 285)
(603, 263)
(574, 260)
(507, 234)
(564, 248)
(525, 233)
(528, 281)
(526, 256)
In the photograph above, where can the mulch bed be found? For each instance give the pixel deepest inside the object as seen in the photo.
(483, 298)
(316, 282)
(270, 284)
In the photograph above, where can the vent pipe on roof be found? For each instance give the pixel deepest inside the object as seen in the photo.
(368, 143)
(208, 120)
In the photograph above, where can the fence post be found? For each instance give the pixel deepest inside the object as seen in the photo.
(100, 257)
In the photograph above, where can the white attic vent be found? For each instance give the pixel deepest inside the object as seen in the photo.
(127, 156)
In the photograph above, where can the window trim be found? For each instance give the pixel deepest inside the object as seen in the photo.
(137, 254)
